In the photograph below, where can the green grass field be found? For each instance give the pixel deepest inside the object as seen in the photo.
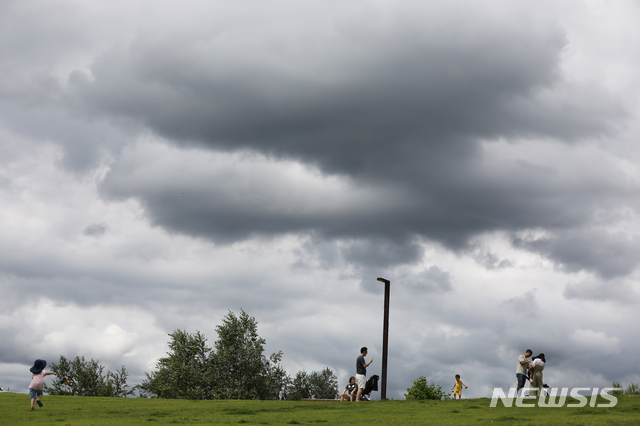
(65, 410)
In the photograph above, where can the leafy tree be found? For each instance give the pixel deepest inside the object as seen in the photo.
(421, 389)
(235, 369)
(239, 369)
(299, 387)
(317, 384)
(279, 380)
(323, 384)
(59, 386)
(117, 383)
(87, 378)
(183, 373)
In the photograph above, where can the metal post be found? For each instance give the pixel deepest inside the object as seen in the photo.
(385, 338)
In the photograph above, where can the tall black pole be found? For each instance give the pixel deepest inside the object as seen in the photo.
(385, 338)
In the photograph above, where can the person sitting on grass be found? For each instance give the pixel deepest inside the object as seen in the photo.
(37, 381)
(458, 387)
(349, 392)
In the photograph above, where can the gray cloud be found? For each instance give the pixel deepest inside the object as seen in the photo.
(281, 158)
(609, 254)
(95, 229)
(404, 100)
(525, 305)
(388, 95)
(381, 254)
(490, 260)
(394, 107)
(593, 289)
(84, 142)
(431, 279)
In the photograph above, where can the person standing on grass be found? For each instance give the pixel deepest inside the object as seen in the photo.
(536, 367)
(37, 381)
(458, 387)
(361, 371)
(521, 369)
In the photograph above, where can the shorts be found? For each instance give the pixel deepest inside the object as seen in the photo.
(361, 380)
(458, 392)
(34, 392)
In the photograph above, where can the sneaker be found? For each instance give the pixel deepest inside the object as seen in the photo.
(39, 403)
(32, 409)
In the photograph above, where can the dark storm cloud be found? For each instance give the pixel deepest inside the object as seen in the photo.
(402, 100)
(227, 198)
(381, 254)
(230, 198)
(353, 99)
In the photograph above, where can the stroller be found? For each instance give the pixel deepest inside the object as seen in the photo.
(371, 385)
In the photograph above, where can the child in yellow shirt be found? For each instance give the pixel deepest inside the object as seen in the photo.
(458, 387)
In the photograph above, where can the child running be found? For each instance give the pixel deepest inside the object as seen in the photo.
(37, 381)
(458, 387)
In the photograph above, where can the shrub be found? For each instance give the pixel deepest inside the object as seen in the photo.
(632, 389)
(421, 389)
(618, 389)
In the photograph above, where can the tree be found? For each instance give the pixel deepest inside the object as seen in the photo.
(279, 380)
(234, 369)
(323, 384)
(421, 389)
(239, 369)
(184, 372)
(86, 378)
(117, 382)
(317, 385)
(299, 387)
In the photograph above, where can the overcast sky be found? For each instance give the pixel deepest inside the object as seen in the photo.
(162, 163)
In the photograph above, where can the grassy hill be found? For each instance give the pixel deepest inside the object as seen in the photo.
(65, 410)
